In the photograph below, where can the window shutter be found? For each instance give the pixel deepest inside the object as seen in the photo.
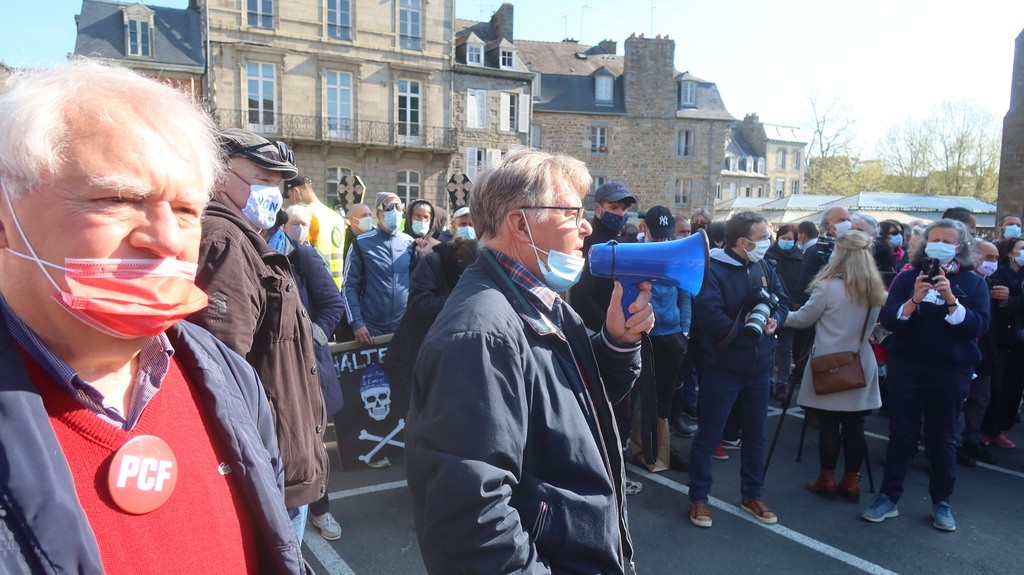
(471, 109)
(492, 157)
(503, 113)
(471, 163)
(524, 112)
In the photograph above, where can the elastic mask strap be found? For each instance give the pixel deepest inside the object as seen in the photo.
(17, 224)
(533, 244)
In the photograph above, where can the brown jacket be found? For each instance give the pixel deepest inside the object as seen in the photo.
(256, 311)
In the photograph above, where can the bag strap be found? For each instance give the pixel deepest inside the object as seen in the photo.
(864, 329)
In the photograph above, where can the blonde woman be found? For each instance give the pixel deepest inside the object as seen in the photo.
(845, 294)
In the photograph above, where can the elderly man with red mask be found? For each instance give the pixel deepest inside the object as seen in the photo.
(132, 442)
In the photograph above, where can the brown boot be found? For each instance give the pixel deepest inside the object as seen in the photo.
(849, 487)
(825, 484)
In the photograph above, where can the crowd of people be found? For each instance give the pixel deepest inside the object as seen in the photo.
(166, 319)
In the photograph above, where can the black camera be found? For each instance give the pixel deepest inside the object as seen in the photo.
(765, 304)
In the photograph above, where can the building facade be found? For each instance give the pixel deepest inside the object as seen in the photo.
(782, 149)
(631, 118)
(354, 87)
(1011, 162)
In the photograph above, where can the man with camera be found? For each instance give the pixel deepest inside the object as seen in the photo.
(742, 305)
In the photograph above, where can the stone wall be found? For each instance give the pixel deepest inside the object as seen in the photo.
(1011, 163)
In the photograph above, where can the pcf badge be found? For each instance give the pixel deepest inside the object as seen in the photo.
(142, 475)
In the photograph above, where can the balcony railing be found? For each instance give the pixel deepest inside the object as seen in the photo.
(352, 132)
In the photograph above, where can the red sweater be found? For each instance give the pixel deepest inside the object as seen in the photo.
(205, 525)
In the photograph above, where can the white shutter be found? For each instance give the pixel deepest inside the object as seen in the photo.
(481, 102)
(471, 109)
(492, 157)
(471, 163)
(503, 112)
(524, 112)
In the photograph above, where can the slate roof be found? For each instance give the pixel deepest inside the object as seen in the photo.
(779, 133)
(176, 37)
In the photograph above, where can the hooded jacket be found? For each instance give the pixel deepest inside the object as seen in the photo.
(728, 286)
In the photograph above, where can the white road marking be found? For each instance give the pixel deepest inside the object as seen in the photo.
(368, 489)
(324, 553)
(799, 538)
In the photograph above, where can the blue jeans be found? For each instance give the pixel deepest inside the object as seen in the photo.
(298, 517)
(917, 390)
(719, 391)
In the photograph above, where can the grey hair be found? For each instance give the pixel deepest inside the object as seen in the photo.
(700, 212)
(867, 219)
(39, 107)
(963, 253)
(523, 177)
(300, 211)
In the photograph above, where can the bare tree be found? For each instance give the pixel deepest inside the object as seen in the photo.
(907, 151)
(832, 158)
(965, 148)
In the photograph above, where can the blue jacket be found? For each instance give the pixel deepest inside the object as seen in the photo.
(325, 306)
(377, 272)
(42, 527)
(926, 337)
(672, 309)
(728, 285)
(512, 454)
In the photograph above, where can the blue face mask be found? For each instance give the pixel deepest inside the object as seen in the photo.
(562, 270)
(262, 206)
(940, 251)
(466, 232)
(390, 221)
(786, 244)
(895, 240)
(420, 229)
(614, 221)
(1011, 231)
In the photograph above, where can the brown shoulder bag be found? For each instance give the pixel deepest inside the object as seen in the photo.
(841, 371)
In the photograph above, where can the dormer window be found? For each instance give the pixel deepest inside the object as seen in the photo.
(603, 92)
(508, 58)
(475, 54)
(687, 94)
(138, 21)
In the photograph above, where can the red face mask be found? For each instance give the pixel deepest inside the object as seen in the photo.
(130, 298)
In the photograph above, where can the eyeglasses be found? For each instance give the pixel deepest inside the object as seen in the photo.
(392, 207)
(286, 154)
(568, 211)
(281, 154)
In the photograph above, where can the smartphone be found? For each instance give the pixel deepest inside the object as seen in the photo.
(931, 269)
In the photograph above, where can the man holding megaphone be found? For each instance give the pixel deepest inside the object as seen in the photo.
(510, 440)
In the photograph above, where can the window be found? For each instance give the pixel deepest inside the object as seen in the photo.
(598, 140)
(760, 191)
(796, 161)
(260, 13)
(339, 105)
(730, 164)
(138, 38)
(603, 92)
(514, 114)
(260, 88)
(780, 159)
(596, 181)
(408, 112)
(474, 55)
(780, 188)
(507, 58)
(794, 187)
(747, 192)
(408, 186)
(409, 24)
(339, 19)
(760, 166)
(535, 136)
(536, 87)
(687, 94)
(477, 159)
(684, 146)
(683, 186)
(718, 191)
(732, 190)
(476, 108)
(334, 176)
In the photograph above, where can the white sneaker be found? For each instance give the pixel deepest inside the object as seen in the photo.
(329, 528)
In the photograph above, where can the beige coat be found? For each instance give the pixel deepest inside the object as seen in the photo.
(838, 322)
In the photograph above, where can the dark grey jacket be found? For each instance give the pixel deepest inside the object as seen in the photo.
(512, 454)
(42, 527)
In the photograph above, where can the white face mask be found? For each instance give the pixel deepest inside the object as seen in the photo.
(262, 206)
(420, 229)
(562, 270)
(843, 227)
(298, 233)
(365, 223)
(760, 249)
(987, 268)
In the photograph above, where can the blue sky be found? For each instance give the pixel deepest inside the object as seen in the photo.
(886, 60)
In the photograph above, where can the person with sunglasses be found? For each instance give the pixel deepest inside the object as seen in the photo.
(377, 273)
(255, 307)
(510, 441)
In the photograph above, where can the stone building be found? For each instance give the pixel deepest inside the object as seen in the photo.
(163, 43)
(491, 96)
(354, 87)
(745, 174)
(1011, 162)
(631, 118)
(781, 149)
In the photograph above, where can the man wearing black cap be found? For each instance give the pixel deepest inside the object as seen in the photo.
(256, 311)
(591, 295)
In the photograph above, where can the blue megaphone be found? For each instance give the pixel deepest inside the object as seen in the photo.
(680, 263)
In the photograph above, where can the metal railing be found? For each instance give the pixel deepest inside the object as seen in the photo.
(354, 132)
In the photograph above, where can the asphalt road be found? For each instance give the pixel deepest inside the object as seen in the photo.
(813, 535)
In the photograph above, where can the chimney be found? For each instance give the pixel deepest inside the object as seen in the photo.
(751, 119)
(608, 46)
(502, 22)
